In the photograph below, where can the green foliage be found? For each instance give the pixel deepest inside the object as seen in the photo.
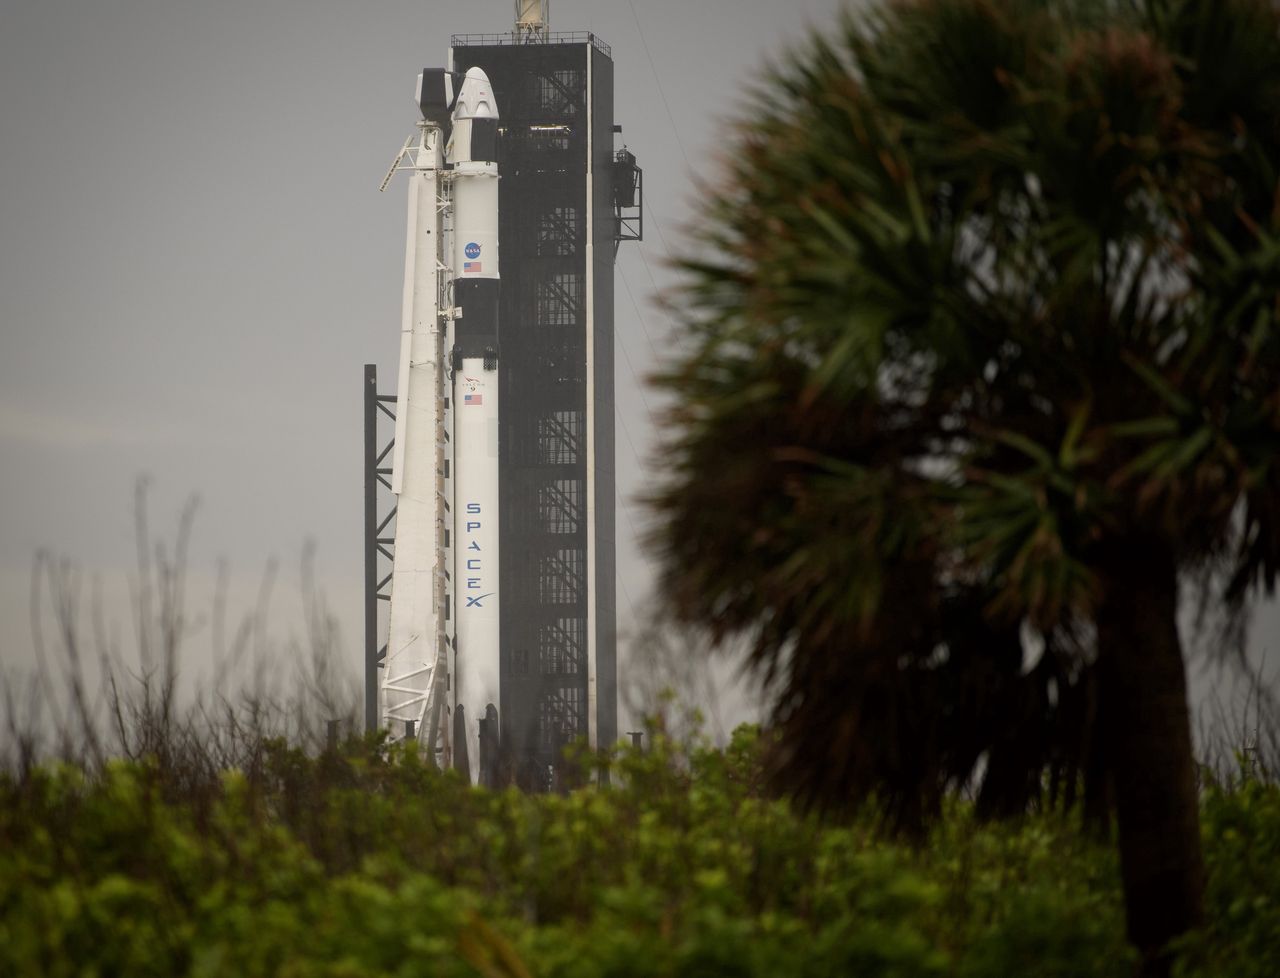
(981, 326)
(1242, 847)
(367, 862)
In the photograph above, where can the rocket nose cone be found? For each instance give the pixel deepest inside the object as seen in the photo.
(475, 98)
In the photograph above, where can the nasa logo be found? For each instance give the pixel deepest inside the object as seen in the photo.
(472, 250)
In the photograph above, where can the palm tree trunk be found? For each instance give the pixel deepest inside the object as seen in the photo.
(1147, 737)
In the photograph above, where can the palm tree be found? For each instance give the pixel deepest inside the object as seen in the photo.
(982, 357)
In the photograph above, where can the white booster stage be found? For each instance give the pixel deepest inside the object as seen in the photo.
(472, 152)
(440, 678)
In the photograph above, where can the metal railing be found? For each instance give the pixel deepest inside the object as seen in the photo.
(513, 37)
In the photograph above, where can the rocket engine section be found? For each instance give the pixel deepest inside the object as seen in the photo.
(472, 155)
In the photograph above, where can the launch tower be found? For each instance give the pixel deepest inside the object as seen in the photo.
(562, 204)
(567, 197)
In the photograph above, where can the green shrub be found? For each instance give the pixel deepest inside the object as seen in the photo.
(368, 861)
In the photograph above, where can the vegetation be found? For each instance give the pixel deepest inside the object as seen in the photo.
(983, 353)
(367, 862)
(984, 360)
(142, 834)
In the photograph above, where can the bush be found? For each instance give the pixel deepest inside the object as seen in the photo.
(367, 861)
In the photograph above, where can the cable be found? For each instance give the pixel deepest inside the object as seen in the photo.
(636, 306)
(652, 68)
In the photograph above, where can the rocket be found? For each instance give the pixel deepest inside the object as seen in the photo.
(439, 687)
(472, 155)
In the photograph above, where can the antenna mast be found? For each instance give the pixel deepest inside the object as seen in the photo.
(532, 20)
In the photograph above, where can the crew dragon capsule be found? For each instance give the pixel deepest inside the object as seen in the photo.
(472, 154)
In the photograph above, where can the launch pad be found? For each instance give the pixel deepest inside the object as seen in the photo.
(567, 196)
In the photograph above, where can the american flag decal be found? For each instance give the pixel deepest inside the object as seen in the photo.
(472, 399)
(470, 267)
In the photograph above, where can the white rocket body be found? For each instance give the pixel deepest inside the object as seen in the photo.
(445, 567)
(475, 179)
(472, 154)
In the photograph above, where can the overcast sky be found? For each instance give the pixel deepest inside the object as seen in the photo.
(195, 262)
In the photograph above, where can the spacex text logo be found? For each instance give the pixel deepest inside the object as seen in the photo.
(474, 579)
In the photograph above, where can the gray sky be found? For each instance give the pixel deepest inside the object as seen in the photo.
(195, 262)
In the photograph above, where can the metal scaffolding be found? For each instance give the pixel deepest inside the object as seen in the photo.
(567, 198)
(378, 538)
(560, 223)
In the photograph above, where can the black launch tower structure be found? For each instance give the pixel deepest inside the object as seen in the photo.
(567, 198)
